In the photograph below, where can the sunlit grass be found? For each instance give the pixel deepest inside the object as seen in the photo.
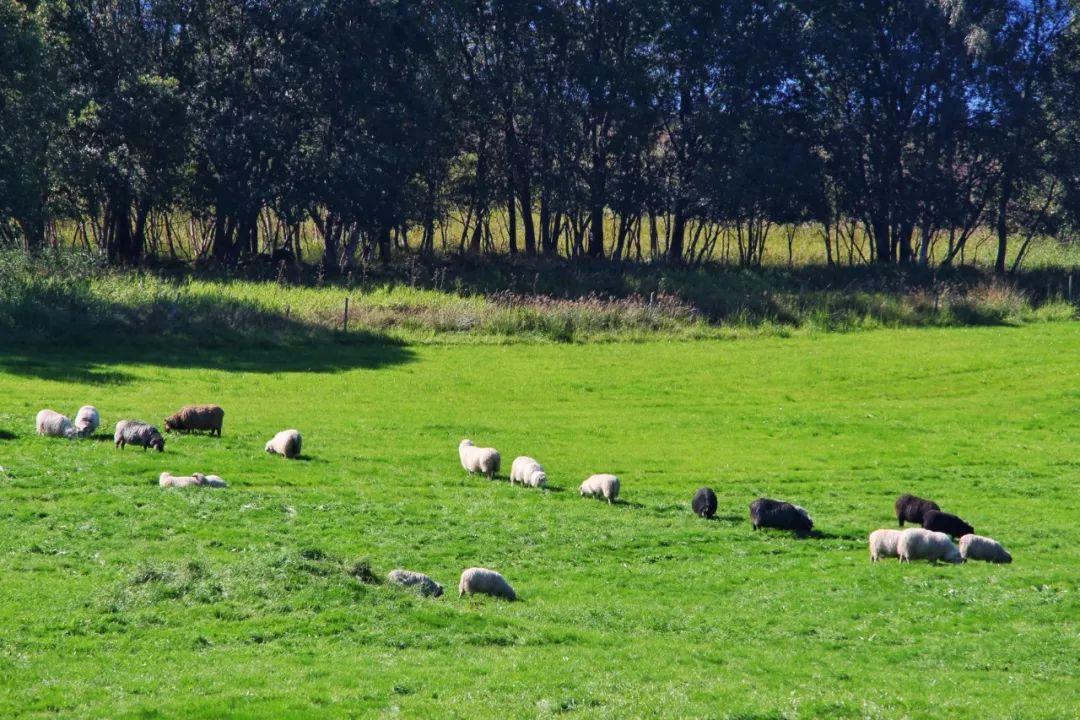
(120, 599)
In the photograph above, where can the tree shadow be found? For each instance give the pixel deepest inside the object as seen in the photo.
(198, 332)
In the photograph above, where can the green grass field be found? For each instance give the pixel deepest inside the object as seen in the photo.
(120, 599)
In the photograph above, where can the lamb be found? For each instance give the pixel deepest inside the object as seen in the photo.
(883, 543)
(704, 503)
(135, 432)
(920, 544)
(603, 485)
(87, 421)
(196, 417)
(407, 578)
(286, 443)
(912, 509)
(765, 512)
(488, 582)
(479, 460)
(50, 423)
(947, 523)
(528, 472)
(977, 547)
(169, 480)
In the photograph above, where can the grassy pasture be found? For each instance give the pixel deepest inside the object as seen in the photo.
(119, 599)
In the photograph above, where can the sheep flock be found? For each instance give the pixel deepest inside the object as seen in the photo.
(938, 536)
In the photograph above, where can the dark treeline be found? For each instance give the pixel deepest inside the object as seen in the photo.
(573, 127)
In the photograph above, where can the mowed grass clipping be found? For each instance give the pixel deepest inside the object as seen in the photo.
(120, 599)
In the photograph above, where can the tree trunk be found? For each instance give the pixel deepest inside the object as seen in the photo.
(678, 236)
(882, 241)
(1003, 220)
(596, 232)
(527, 217)
(547, 244)
(511, 220)
(382, 238)
(477, 234)
(596, 210)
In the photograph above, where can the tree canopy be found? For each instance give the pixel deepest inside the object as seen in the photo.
(560, 126)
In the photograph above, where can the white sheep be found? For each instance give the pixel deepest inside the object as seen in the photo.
(883, 543)
(479, 460)
(169, 480)
(977, 547)
(919, 544)
(528, 472)
(52, 424)
(487, 582)
(87, 421)
(410, 579)
(286, 443)
(602, 485)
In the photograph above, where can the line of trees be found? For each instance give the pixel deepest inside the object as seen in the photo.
(574, 127)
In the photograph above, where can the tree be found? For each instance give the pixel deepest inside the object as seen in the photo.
(1020, 88)
(28, 122)
(895, 83)
(124, 143)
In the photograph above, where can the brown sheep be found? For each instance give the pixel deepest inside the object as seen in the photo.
(196, 417)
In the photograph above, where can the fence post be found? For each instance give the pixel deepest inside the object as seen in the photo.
(1070, 287)
(345, 317)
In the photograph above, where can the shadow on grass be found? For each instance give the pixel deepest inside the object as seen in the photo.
(7, 435)
(76, 341)
(730, 519)
(824, 535)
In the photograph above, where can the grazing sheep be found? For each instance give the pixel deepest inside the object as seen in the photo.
(488, 582)
(196, 417)
(528, 472)
(920, 544)
(87, 421)
(912, 509)
(420, 581)
(603, 485)
(134, 432)
(977, 547)
(883, 543)
(704, 503)
(50, 423)
(479, 460)
(765, 512)
(286, 443)
(215, 481)
(947, 523)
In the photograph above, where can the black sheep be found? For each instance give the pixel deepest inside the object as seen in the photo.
(947, 523)
(912, 509)
(781, 515)
(704, 502)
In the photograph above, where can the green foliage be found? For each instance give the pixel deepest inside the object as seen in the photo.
(558, 127)
(122, 599)
(76, 297)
